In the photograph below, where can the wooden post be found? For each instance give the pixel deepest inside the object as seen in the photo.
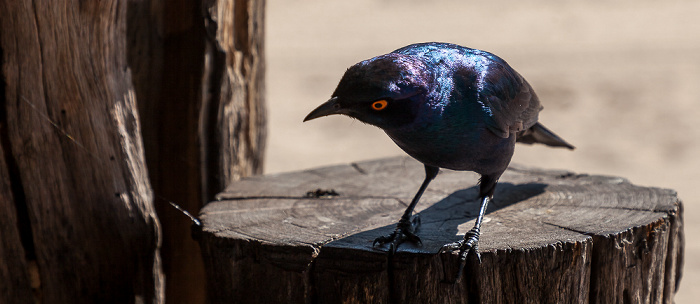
(72, 158)
(166, 55)
(76, 202)
(198, 74)
(548, 237)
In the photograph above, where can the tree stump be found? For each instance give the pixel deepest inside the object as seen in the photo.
(548, 237)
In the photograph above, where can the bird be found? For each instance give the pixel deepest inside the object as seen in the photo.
(447, 106)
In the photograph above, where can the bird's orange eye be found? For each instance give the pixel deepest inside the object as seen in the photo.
(379, 105)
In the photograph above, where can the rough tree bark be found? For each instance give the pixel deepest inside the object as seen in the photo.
(233, 112)
(166, 54)
(72, 145)
(200, 92)
(548, 237)
(15, 265)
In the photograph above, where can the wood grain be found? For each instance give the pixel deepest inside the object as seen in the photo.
(233, 125)
(198, 73)
(73, 133)
(548, 237)
(166, 55)
(14, 268)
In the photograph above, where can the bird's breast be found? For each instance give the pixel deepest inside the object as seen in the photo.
(467, 145)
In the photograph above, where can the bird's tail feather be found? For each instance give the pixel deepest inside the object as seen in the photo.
(539, 134)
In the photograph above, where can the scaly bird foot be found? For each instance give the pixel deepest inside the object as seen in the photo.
(405, 231)
(468, 244)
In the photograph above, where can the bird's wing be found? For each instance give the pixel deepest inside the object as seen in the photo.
(510, 101)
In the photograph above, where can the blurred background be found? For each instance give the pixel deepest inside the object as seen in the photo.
(619, 80)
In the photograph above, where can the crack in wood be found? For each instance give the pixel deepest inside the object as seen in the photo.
(569, 229)
(624, 208)
(285, 197)
(16, 187)
(412, 274)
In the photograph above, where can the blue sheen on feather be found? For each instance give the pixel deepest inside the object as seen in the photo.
(449, 106)
(447, 59)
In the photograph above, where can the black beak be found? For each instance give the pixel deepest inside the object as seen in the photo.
(330, 107)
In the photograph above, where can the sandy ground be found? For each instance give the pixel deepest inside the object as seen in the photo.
(620, 80)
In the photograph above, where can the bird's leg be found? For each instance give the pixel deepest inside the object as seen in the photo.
(406, 227)
(471, 238)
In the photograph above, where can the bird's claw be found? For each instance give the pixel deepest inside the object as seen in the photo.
(470, 243)
(405, 231)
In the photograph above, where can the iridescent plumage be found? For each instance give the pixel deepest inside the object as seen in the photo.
(447, 106)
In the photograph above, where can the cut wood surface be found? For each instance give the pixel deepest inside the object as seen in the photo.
(548, 237)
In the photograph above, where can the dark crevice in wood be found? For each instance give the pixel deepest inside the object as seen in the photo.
(394, 295)
(209, 126)
(310, 282)
(23, 222)
(473, 293)
(242, 37)
(242, 42)
(626, 299)
(14, 178)
(678, 222)
(17, 195)
(311, 287)
(675, 252)
(211, 88)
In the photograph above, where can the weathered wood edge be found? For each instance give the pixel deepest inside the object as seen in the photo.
(89, 232)
(317, 273)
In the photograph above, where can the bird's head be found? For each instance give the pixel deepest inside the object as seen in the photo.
(384, 91)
